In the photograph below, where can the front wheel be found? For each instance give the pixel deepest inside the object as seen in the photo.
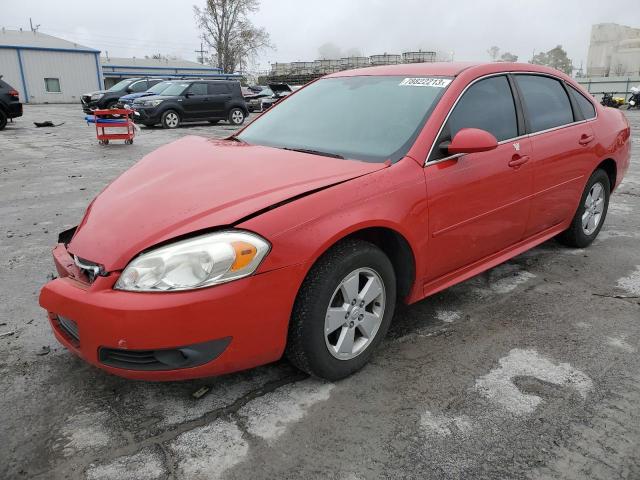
(170, 119)
(236, 116)
(591, 213)
(342, 311)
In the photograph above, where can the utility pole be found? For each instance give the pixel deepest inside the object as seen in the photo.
(201, 52)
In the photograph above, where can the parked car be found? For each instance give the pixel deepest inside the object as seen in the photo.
(10, 106)
(280, 90)
(299, 234)
(109, 98)
(254, 102)
(127, 100)
(193, 101)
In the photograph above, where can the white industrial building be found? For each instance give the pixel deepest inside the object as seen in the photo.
(46, 69)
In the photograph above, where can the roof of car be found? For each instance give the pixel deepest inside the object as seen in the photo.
(446, 69)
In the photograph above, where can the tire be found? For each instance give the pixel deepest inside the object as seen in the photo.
(311, 345)
(170, 119)
(236, 116)
(580, 234)
(3, 120)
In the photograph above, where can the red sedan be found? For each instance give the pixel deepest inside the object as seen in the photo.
(299, 234)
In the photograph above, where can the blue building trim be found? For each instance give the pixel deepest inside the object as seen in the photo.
(24, 81)
(98, 71)
(161, 75)
(48, 49)
(194, 69)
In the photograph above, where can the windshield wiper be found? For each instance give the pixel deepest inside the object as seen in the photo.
(314, 152)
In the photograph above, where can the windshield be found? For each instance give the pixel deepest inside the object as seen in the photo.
(159, 88)
(176, 89)
(120, 85)
(370, 118)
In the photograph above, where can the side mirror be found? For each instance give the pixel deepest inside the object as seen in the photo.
(472, 140)
(188, 94)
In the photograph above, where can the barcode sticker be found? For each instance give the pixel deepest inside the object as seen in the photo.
(425, 82)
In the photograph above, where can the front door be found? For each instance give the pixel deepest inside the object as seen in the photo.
(478, 203)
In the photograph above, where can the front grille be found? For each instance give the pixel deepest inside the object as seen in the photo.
(70, 328)
(90, 269)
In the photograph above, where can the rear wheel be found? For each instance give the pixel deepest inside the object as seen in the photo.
(170, 119)
(236, 116)
(3, 120)
(591, 213)
(342, 311)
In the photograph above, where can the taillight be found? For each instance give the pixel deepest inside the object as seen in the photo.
(14, 93)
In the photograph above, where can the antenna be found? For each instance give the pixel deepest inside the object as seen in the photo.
(33, 29)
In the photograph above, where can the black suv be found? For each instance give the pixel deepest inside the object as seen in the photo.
(109, 98)
(10, 106)
(193, 101)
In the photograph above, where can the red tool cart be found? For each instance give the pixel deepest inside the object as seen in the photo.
(114, 124)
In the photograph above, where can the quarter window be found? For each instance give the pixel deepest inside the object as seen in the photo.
(546, 102)
(52, 85)
(586, 107)
(218, 88)
(488, 105)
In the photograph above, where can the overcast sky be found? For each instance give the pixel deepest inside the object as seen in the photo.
(299, 28)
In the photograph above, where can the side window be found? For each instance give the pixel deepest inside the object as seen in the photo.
(487, 105)
(198, 89)
(138, 87)
(586, 107)
(546, 102)
(218, 88)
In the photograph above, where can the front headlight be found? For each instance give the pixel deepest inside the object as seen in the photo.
(197, 262)
(97, 96)
(152, 103)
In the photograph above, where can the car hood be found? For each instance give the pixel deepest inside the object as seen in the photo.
(94, 93)
(280, 88)
(133, 96)
(194, 184)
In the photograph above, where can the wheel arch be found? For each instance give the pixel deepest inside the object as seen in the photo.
(611, 169)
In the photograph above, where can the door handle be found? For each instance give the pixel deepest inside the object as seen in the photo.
(518, 160)
(586, 139)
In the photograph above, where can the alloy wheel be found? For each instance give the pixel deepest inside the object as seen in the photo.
(593, 208)
(237, 117)
(355, 313)
(171, 120)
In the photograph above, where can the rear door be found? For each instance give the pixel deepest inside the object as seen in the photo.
(563, 145)
(220, 96)
(196, 102)
(479, 202)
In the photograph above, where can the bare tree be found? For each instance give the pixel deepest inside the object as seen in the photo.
(494, 52)
(227, 30)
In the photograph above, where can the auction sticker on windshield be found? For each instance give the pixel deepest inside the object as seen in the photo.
(425, 82)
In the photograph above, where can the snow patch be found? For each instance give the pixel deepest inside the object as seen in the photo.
(582, 325)
(85, 431)
(631, 283)
(444, 425)
(207, 452)
(448, 316)
(621, 344)
(269, 416)
(498, 385)
(144, 465)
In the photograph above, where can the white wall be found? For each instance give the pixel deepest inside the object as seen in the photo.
(76, 71)
(10, 70)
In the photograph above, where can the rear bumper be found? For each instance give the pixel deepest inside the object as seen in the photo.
(245, 321)
(14, 110)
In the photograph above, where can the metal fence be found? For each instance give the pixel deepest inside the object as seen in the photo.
(620, 86)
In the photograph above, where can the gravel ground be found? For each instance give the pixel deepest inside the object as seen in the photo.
(530, 370)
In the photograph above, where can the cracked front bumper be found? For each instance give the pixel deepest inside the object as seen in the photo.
(253, 313)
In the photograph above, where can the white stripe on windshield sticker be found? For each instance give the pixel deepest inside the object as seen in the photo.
(425, 82)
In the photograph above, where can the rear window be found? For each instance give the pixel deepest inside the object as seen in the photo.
(546, 102)
(586, 107)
